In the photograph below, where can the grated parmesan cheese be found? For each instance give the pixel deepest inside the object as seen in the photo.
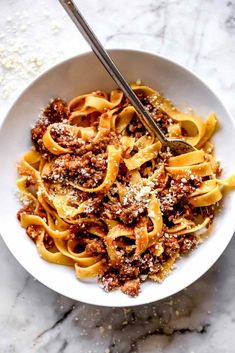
(138, 193)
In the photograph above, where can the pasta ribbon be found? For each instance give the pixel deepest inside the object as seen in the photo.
(27, 220)
(144, 239)
(124, 118)
(188, 121)
(115, 232)
(186, 159)
(200, 170)
(89, 271)
(207, 199)
(144, 155)
(53, 257)
(90, 103)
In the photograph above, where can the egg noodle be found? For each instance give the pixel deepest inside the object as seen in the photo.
(101, 194)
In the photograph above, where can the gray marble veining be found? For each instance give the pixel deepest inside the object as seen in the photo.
(197, 33)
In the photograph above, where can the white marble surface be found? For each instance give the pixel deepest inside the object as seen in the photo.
(197, 33)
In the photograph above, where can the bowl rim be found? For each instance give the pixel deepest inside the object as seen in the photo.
(190, 279)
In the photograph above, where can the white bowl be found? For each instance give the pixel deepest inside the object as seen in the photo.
(84, 74)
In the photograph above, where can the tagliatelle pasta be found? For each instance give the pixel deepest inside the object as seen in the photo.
(102, 195)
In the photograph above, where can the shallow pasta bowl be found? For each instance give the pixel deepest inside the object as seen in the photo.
(85, 74)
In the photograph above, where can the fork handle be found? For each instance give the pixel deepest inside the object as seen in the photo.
(109, 65)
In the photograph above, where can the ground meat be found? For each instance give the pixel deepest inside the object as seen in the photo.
(171, 245)
(146, 261)
(178, 211)
(162, 119)
(48, 241)
(176, 191)
(95, 205)
(219, 170)
(41, 212)
(80, 228)
(30, 181)
(155, 268)
(109, 281)
(65, 138)
(33, 231)
(187, 243)
(30, 177)
(99, 147)
(129, 269)
(95, 247)
(149, 225)
(56, 112)
(160, 181)
(131, 287)
(136, 128)
(88, 170)
(208, 211)
(149, 263)
(123, 174)
(146, 169)
(126, 213)
(28, 209)
(163, 156)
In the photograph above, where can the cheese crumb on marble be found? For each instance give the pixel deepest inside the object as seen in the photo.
(20, 60)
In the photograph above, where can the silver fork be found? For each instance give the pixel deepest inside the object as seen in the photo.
(177, 146)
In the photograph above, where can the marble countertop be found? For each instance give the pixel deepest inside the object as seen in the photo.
(197, 33)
